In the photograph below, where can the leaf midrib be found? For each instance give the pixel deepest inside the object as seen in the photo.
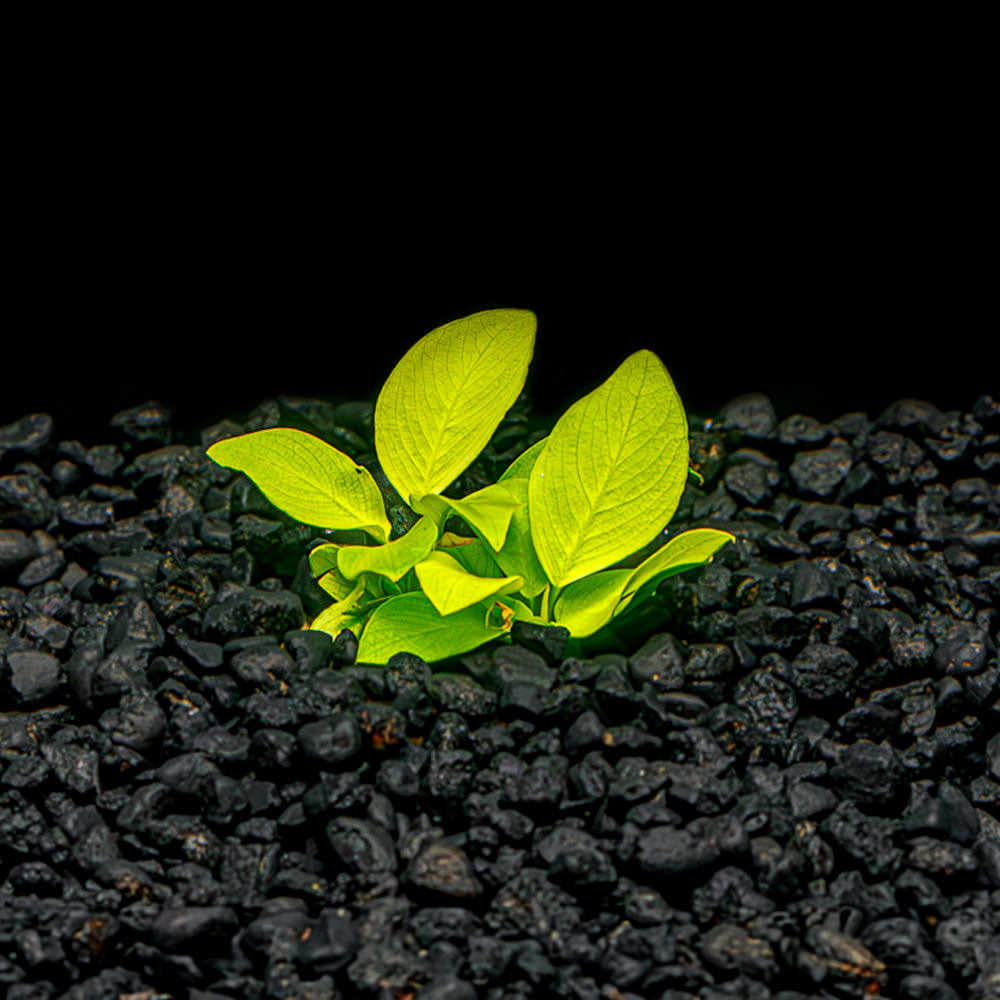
(592, 502)
(452, 408)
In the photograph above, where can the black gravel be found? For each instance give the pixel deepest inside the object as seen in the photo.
(783, 781)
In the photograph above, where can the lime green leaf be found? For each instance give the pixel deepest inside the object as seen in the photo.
(689, 548)
(335, 585)
(684, 551)
(323, 558)
(517, 557)
(333, 620)
(450, 587)
(341, 614)
(587, 604)
(487, 511)
(612, 472)
(307, 478)
(521, 467)
(442, 402)
(474, 555)
(393, 559)
(409, 623)
(377, 588)
(382, 586)
(323, 565)
(432, 506)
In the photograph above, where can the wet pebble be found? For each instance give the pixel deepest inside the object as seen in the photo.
(194, 929)
(17, 549)
(31, 678)
(331, 943)
(442, 870)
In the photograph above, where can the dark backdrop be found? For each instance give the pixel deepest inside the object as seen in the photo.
(814, 232)
(826, 300)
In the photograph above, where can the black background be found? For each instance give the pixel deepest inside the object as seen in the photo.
(833, 261)
(823, 321)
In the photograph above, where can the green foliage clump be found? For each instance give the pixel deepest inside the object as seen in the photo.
(600, 487)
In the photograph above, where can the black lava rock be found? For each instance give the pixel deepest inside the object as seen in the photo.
(780, 780)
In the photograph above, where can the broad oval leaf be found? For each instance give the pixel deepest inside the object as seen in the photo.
(307, 478)
(517, 557)
(393, 559)
(450, 587)
(441, 404)
(684, 551)
(487, 511)
(590, 603)
(585, 605)
(612, 472)
(334, 619)
(409, 623)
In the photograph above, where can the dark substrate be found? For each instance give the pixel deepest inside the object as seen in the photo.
(784, 782)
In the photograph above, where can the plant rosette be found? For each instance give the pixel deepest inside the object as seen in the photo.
(600, 487)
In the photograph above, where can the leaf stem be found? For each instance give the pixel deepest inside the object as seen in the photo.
(549, 595)
(556, 591)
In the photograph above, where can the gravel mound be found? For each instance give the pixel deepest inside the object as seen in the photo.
(783, 781)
